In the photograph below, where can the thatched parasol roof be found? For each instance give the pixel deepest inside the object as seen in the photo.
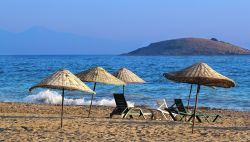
(63, 79)
(99, 75)
(202, 74)
(128, 76)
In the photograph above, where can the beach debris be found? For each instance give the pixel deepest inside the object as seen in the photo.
(27, 128)
(2, 129)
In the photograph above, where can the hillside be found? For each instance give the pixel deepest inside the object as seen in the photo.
(40, 40)
(190, 46)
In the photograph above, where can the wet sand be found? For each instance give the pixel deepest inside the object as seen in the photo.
(39, 122)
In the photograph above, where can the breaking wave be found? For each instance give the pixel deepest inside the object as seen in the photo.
(53, 97)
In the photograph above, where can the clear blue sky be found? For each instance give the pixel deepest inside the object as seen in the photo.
(135, 20)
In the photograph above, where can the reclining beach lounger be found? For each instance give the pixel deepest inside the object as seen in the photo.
(124, 111)
(164, 109)
(182, 111)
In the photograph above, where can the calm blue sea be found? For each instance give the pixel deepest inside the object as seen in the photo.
(19, 73)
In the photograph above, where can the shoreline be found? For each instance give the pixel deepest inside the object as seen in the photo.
(200, 107)
(33, 122)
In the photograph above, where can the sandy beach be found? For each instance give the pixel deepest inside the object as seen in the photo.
(124, 71)
(40, 122)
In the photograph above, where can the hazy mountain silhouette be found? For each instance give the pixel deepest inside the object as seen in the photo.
(39, 40)
(190, 46)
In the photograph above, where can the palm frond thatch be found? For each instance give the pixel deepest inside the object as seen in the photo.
(63, 79)
(128, 76)
(99, 75)
(202, 74)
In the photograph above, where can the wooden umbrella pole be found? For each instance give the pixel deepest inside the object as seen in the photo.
(91, 100)
(123, 89)
(190, 92)
(62, 107)
(196, 105)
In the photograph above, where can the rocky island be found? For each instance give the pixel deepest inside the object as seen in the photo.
(190, 46)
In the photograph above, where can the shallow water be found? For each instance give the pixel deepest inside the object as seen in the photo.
(19, 73)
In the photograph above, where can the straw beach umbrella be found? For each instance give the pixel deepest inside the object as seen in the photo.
(64, 80)
(98, 75)
(128, 77)
(200, 74)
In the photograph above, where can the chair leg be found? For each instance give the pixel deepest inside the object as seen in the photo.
(206, 117)
(215, 118)
(190, 118)
(164, 115)
(183, 117)
(141, 114)
(198, 118)
(124, 115)
(172, 116)
(152, 116)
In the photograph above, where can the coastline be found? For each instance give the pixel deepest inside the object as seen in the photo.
(32, 122)
(16, 78)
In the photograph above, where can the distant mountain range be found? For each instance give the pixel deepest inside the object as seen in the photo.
(42, 41)
(39, 40)
(190, 46)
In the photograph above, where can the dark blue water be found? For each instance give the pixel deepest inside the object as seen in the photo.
(19, 73)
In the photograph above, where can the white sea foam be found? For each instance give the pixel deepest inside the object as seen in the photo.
(53, 97)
